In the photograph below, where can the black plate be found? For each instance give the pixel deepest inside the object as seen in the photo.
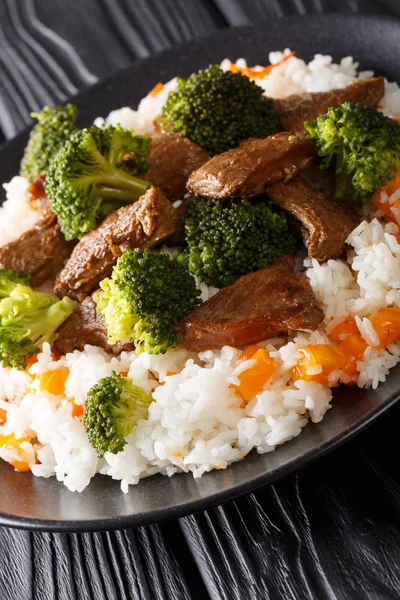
(34, 503)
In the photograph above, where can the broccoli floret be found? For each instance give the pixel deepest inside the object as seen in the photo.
(226, 239)
(362, 145)
(218, 110)
(113, 407)
(27, 318)
(147, 294)
(54, 127)
(93, 174)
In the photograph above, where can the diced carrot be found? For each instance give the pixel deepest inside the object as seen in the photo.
(53, 381)
(124, 373)
(170, 373)
(156, 89)
(3, 416)
(348, 326)
(352, 348)
(20, 465)
(253, 74)
(253, 379)
(386, 323)
(12, 443)
(249, 352)
(77, 410)
(326, 356)
(378, 199)
(31, 360)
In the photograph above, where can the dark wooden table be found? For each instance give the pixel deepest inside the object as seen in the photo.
(330, 531)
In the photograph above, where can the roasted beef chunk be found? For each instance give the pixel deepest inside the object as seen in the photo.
(248, 170)
(171, 160)
(294, 110)
(85, 326)
(257, 306)
(40, 252)
(325, 224)
(144, 224)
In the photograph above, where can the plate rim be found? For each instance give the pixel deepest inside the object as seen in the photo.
(223, 495)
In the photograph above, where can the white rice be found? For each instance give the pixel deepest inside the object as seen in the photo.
(197, 421)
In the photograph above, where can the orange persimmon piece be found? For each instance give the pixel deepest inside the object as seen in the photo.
(249, 352)
(3, 416)
(348, 326)
(253, 379)
(386, 323)
(53, 381)
(156, 89)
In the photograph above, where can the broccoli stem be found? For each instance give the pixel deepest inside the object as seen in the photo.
(124, 196)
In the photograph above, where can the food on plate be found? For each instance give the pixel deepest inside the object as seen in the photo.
(113, 406)
(294, 110)
(218, 109)
(211, 265)
(261, 305)
(85, 326)
(325, 225)
(250, 168)
(147, 294)
(172, 158)
(92, 174)
(144, 224)
(362, 144)
(28, 318)
(40, 252)
(53, 129)
(226, 239)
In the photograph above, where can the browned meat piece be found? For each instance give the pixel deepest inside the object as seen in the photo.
(144, 224)
(41, 251)
(85, 326)
(249, 169)
(325, 225)
(256, 307)
(294, 110)
(171, 160)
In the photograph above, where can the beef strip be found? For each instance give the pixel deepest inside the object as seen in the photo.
(171, 160)
(85, 326)
(257, 306)
(40, 252)
(294, 110)
(325, 225)
(144, 224)
(248, 170)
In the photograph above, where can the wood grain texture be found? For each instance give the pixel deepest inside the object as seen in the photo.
(329, 532)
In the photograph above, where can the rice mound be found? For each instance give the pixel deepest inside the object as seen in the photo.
(197, 422)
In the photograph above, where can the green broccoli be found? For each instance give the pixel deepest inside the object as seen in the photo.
(226, 239)
(218, 110)
(113, 407)
(54, 127)
(146, 295)
(362, 145)
(93, 174)
(27, 318)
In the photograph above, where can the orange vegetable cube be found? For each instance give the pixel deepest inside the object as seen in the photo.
(253, 379)
(156, 89)
(53, 381)
(12, 443)
(327, 357)
(353, 348)
(386, 323)
(348, 326)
